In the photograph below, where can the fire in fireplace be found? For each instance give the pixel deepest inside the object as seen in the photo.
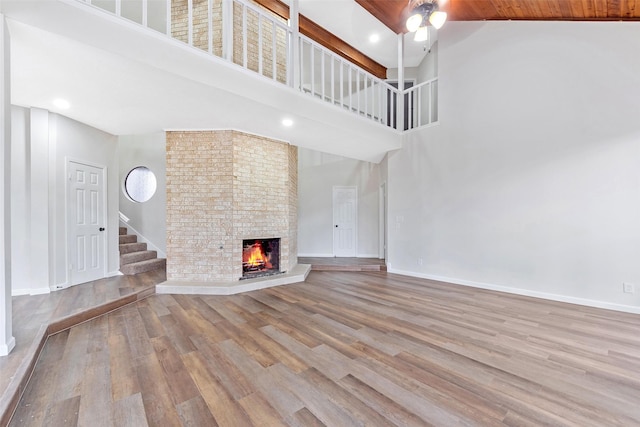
(260, 257)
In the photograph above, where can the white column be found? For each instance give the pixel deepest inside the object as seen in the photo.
(400, 101)
(295, 68)
(7, 341)
(38, 236)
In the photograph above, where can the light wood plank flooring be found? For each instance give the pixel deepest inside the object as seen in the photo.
(35, 317)
(342, 349)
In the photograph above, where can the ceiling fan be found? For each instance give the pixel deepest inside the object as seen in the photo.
(422, 13)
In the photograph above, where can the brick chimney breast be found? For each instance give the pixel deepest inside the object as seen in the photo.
(223, 187)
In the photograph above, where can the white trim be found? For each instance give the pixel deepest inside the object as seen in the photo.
(524, 292)
(5, 349)
(367, 256)
(27, 291)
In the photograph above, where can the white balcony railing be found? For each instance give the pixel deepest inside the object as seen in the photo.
(255, 39)
(422, 104)
(327, 76)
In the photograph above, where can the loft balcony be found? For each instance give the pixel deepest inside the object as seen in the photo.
(149, 65)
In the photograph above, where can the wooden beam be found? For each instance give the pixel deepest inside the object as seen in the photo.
(318, 34)
(275, 6)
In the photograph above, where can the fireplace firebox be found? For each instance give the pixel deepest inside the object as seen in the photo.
(260, 257)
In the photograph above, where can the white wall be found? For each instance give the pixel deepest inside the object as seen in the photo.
(317, 174)
(428, 68)
(43, 142)
(148, 218)
(531, 181)
(80, 142)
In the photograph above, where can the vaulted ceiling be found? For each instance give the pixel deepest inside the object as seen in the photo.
(393, 13)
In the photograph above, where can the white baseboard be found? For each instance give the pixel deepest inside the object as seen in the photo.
(524, 292)
(5, 349)
(114, 273)
(37, 291)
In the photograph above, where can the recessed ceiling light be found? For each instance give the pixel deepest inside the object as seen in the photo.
(287, 122)
(374, 38)
(63, 104)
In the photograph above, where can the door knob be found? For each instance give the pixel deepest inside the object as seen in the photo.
(336, 225)
(101, 229)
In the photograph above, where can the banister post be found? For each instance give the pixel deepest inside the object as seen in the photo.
(7, 341)
(294, 65)
(400, 99)
(227, 30)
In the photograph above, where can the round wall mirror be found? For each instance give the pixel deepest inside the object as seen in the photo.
(140, 184)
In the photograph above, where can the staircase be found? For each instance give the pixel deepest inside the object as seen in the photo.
(134, 256)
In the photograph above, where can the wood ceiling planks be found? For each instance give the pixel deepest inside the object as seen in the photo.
(393, 13)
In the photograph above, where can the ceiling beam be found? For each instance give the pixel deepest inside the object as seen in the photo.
(318, 34)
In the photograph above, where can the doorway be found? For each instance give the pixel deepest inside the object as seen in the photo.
(345, 221)
(408, 105)
(86, 211)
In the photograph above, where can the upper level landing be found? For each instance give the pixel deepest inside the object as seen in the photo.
(211, 64)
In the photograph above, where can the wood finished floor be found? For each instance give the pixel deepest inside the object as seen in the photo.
(342, 349)
(35, 316)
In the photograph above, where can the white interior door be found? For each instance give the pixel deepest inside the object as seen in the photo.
(345, 214)
(86, 210)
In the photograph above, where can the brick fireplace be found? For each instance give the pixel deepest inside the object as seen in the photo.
(225, 188)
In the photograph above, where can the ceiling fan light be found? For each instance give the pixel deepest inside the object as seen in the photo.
(422, 34)
(437, 19)
(414, 22)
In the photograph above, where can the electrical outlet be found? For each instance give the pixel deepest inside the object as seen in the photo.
(628, 288)
(420, 261)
